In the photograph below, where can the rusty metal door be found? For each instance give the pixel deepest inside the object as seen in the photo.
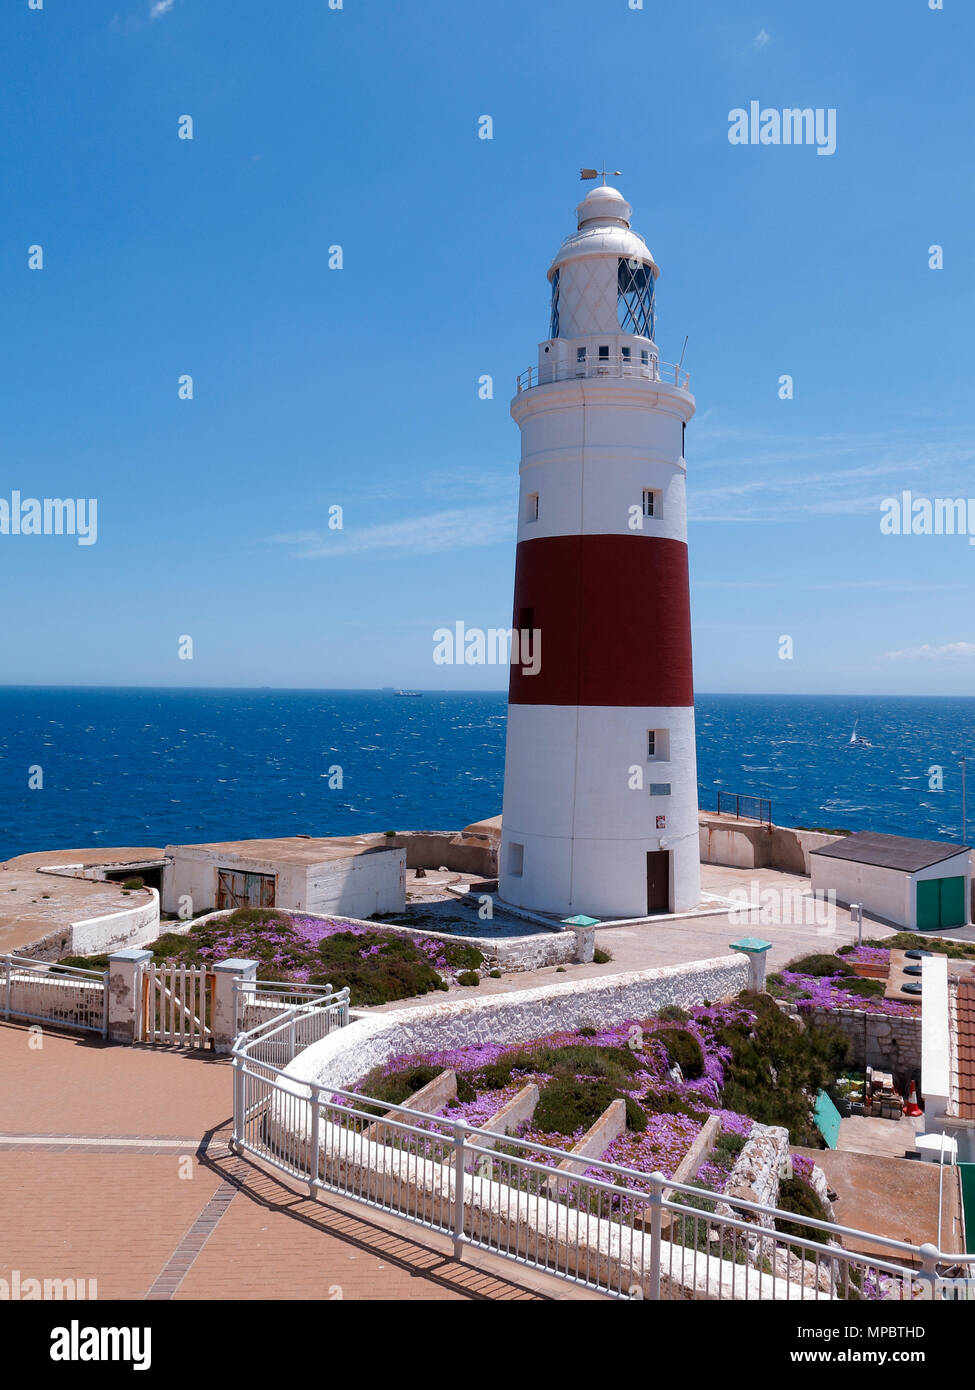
(237, 889)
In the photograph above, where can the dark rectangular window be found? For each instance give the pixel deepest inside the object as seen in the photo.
(604, 353)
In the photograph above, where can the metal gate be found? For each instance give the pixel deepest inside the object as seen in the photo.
(177, 1005)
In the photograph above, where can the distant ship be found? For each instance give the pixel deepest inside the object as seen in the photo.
(857, 740)
(415, 693)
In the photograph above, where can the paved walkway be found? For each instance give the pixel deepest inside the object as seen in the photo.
(114, 1166)
(799, 926)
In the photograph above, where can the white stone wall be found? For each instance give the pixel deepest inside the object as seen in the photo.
(346, 1056)
(134, 926)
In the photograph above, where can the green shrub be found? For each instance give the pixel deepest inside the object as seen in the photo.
(84, 962)
(601, 957)
(870, 989)
(399, 1086)
(673, 1013)
(776, 1067)
(586, 1032)
(797, 1196)
(728, 1145)
(913, 941)
(495, 974)
(567, 1104)
(468, 977)
(820, 965)
(253, 916)
(671, 1102)
(133, 883)
(462, 957)
(684, 1049)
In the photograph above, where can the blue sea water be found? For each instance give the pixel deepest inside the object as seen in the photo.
(151, 767)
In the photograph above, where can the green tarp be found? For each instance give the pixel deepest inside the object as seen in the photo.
(827, 1119)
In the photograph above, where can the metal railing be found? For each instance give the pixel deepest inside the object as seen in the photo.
(264, 1001)
(40, 992)
(611, 1229)
(615, 365)
(288, 1029)
(745, 806)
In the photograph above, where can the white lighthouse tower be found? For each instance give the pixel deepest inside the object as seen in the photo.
(600, 783)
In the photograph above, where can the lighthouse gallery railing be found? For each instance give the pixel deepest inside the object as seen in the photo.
(615, 365)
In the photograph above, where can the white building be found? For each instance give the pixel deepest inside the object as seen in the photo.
(600, 788)
(918, 884)
(354, 877)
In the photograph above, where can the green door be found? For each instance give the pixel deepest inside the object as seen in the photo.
(952, 901)
(940, 903)
(928, 904)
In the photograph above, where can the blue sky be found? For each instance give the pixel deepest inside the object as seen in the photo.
(358, 387)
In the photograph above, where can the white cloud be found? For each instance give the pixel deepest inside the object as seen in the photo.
(928, 653)
(160, 7)
(432, 534)
(762, 39)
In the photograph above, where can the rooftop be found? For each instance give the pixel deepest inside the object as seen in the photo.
(890, 851)
(293, 849)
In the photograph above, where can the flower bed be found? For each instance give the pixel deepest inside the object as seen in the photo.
(579, 1073)
(378, 965)
(834, 982)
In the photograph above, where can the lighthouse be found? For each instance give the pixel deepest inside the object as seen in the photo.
(600, 783)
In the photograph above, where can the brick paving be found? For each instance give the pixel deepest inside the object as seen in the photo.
(115, 1167)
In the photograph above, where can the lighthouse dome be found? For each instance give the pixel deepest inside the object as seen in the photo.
(604, 230)
(604, 203)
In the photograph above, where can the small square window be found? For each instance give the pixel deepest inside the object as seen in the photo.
(645, 357)
(531, 507)
(626, 354)
(660, 789)
(604, 353)
(651, 502)
(516, 860)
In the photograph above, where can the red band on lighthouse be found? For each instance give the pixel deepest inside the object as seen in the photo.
(614, 617)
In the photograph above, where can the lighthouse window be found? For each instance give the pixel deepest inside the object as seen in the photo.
(516, 860)
(652, 503)
(531, 511)
(604, 352)
(554, 330)
(580, 354)
(635, 308)
(658, 745)
(660, 789)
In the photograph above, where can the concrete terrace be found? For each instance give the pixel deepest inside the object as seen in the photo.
(676, 940)
(37, 901)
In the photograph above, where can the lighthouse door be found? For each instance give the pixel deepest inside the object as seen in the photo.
(658, 881)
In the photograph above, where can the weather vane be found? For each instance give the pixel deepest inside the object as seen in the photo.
(595, 173)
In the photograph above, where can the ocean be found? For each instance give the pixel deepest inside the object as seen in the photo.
(153, 767)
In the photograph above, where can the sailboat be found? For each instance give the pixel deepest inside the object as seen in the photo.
(857, 740)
